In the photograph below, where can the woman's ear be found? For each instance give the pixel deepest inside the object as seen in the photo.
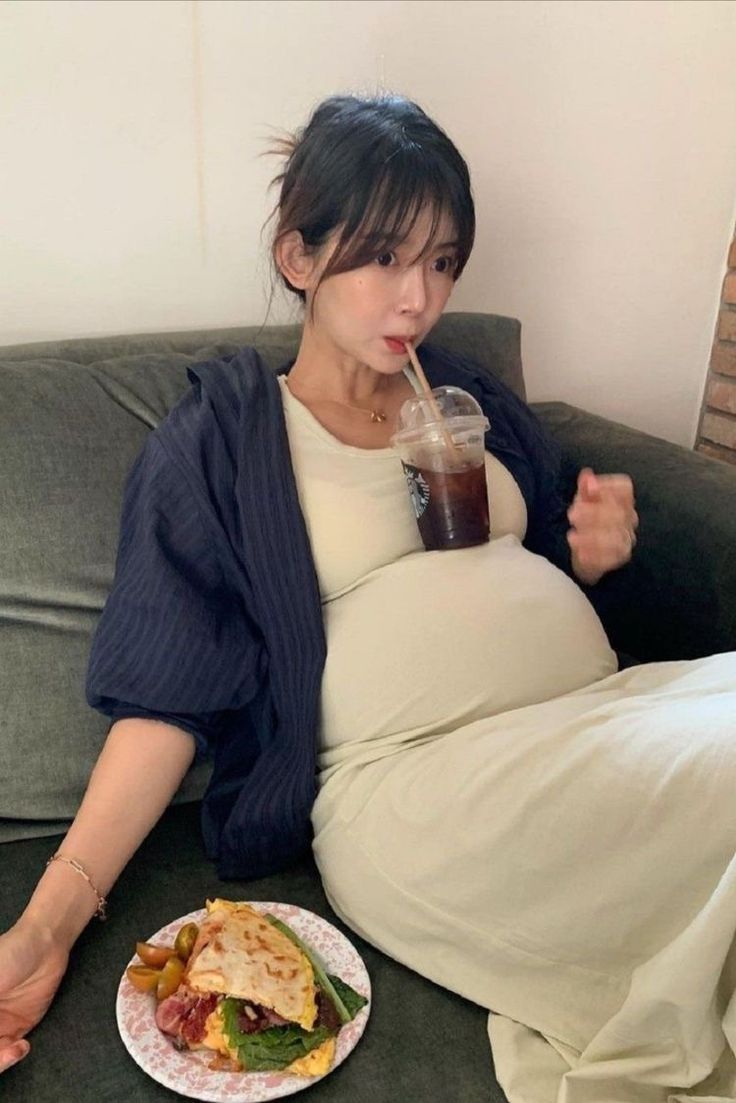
(295, 263)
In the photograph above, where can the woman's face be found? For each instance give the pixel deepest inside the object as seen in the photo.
(365, 314)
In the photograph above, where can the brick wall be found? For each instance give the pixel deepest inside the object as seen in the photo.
(717, 433)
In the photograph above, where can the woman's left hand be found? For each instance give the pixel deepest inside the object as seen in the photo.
(603, 524)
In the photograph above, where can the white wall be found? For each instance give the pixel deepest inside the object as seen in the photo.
(601, 136)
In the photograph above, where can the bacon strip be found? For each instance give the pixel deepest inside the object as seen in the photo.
(183, 1015)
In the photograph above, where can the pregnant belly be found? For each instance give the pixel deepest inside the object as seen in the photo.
(439, 639)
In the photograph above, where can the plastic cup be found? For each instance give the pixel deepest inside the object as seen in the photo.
(444, 464)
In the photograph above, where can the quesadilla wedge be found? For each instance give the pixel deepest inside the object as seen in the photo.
(256, 995)
(240, 953)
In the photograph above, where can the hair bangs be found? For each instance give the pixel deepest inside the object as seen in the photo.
(407, 187)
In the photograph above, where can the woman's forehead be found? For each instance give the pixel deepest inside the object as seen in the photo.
(429, 225)
(418, 232)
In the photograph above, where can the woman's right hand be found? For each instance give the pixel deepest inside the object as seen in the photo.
(32, 964)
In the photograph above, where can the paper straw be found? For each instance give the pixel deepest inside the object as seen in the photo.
(411, 375)
(427, 391)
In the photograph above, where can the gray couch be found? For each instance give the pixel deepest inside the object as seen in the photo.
(73, 415)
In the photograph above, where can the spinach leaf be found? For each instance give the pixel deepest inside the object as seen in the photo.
(269, 1050)
(351, 999)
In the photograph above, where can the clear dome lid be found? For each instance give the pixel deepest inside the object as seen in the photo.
(456, 408)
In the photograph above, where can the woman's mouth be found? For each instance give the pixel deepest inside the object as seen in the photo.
(396, 344)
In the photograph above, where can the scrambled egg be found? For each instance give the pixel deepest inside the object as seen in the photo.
(316, 1063)
(214, 1037)
(220, 905)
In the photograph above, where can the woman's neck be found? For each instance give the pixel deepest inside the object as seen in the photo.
(326, 372)
(358, 405)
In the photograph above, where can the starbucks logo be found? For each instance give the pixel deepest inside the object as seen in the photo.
(418, 489)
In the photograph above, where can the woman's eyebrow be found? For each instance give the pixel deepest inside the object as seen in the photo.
(431, 249)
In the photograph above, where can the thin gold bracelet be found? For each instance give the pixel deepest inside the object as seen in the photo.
(100, 910)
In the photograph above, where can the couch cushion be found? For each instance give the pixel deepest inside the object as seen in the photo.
(68, 434)
(73, 417)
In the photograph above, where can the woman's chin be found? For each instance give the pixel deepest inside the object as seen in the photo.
(382, 363)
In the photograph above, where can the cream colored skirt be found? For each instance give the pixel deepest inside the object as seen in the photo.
(571, 866)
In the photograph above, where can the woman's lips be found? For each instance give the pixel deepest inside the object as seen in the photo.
(396, 344)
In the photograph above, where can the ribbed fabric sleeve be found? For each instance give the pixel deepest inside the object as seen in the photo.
(214, 620)
(171, 638)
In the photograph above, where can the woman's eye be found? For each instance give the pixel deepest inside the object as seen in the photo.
(444, 264)
(385, 259)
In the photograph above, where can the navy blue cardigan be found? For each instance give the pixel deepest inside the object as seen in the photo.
(214, 621)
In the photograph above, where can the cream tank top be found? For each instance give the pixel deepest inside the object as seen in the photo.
(420, 643)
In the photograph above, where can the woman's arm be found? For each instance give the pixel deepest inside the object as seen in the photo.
(138, 772)
(140, 768)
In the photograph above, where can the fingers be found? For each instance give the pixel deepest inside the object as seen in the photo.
(603, 501)
(602, 549)
(588, 486)
(592, 487)
(12, 1052)
(619, 487)
(608, 514)
(603, 524)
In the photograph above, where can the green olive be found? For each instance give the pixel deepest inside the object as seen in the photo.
(185, 939)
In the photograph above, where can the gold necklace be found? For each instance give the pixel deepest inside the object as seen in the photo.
(376, 416)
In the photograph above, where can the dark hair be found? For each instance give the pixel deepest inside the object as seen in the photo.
(368, 165)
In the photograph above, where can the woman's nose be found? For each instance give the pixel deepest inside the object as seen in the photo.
(413, 298)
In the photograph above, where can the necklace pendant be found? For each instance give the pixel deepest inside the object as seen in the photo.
(377, 415)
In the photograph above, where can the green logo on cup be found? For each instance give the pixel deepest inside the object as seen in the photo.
(418, 489)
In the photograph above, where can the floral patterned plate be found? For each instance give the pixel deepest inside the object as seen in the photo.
(187, 1072)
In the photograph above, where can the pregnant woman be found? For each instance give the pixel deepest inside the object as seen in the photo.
(489, 799)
